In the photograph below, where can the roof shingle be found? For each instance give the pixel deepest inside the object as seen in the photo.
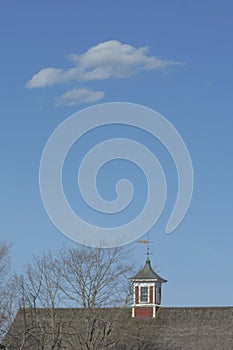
(181, 328)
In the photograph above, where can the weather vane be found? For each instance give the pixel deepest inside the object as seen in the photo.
(147, 242)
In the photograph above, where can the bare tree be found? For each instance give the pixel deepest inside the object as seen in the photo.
(42, 282)
(94, 279)
(6, 298)
(39, 288)
(91, 281)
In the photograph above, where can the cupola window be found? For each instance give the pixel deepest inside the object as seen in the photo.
(144, 294)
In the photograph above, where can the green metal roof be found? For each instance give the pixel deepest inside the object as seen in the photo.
(147, 273)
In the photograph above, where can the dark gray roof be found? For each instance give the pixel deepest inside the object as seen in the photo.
(147, 273)
(182, 328)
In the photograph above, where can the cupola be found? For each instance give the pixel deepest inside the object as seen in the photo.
(147, 291)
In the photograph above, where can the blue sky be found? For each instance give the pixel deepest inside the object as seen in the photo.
(191, 43)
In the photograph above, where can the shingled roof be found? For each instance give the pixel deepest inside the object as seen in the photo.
(181, 328)
(147, 273)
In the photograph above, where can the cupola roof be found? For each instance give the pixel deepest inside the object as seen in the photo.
(147, 273)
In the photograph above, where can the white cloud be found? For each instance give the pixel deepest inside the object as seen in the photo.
(110, 59)
(46, 77)
(75, 96)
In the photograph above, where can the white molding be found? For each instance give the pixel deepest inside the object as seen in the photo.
(154, 311)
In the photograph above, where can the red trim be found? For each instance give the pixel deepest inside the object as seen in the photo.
(136, 295)
(151, 294)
